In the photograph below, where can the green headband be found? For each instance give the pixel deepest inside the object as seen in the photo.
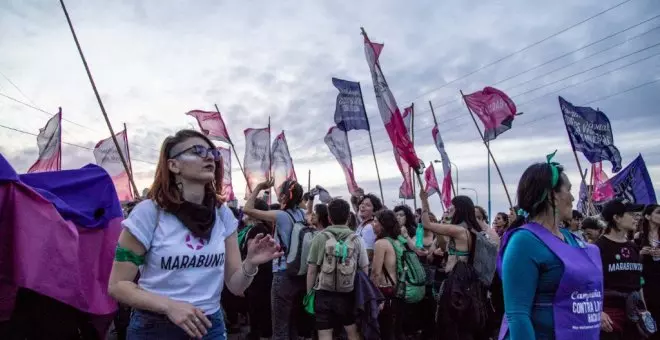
(554, 168)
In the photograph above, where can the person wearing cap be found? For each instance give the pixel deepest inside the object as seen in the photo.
(622, 269)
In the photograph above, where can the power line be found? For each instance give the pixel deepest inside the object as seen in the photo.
(542, 117)
(67, 120)
(17, 88)
(523, 49)
(447, 100)
(67, 143)
(380, 127)
(544, 95)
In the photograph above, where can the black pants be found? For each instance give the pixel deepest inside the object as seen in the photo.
(390, 320)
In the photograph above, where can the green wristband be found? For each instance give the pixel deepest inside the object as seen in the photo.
(127, 255)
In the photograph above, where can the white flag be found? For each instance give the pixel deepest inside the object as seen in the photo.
(107, 157)
(49, 142)
(337, 142)
(282, 163)
(257, 159)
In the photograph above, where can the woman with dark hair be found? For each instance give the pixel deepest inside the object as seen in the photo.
(352, 221)
(258, 294)
(622, 270)
(183, 240)
(287, 291)
(368, 205)
(383, 274)
(649, 241)
(320, 218)
(500, 223)
(552, 281)
(463, 220)
(461, 232)
(482, 218)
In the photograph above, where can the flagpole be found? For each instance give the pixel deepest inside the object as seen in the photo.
(98, 97)
(577, 159)
(497, 167)
(489, 201)
(59, 158)
(309, 180)
(590, 191)
(371, 140)
(270, 157)
(412, 140)
(435, 122)
(130, 165)
(233, 148)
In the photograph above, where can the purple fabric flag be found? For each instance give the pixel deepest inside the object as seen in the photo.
(58, 238)
(634, 183)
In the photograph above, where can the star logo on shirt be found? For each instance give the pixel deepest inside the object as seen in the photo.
(625, 252)
(195, 243)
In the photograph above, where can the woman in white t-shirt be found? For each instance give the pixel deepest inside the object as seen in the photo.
(183, 241)
(368, 205)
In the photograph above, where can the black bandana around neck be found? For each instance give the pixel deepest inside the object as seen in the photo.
(198, 218)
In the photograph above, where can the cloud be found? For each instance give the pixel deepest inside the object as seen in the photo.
(153, 62)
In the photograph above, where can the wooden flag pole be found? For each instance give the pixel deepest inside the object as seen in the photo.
(130, 166)
(412, 140)
(270, 156)
(486, 144)
(233, 148)
(371, 141)
(435, 122)
(577, 159)
(98, 99)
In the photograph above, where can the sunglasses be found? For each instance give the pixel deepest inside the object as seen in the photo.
(202, 152)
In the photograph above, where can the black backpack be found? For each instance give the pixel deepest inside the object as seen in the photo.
(463, 300)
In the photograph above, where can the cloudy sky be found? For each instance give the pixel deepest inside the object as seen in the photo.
(155, 60)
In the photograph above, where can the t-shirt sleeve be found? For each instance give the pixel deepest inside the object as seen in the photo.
(520, 290)
(317, 250)
(368, 236)
(228, 219)
(141, 223)
(282, 218)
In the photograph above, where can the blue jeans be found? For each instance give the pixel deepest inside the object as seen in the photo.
(147, 325)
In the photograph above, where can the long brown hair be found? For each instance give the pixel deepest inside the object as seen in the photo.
(164, 191)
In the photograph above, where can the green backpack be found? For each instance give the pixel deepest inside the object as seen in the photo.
(411, 277)
(242, 240)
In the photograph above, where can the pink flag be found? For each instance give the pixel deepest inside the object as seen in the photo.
(447, 182)
(337, 142)
(107, 157)
(282, 163)
(406, 188)
(389, 111)
(227, 187)
(211, 124)
(49, 141)
(446, 190)
(603, 190)
(495, 109)
(257, 159)
(432, 185)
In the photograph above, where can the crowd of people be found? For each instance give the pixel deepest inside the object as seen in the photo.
(356, 269)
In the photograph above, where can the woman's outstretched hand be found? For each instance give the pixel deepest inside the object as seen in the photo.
(262, 249)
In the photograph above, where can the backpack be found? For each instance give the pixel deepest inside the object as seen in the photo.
(463, 297)
(485, 258)
(243, 241)
(411, 276)
(300, 239)
(339, 264)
